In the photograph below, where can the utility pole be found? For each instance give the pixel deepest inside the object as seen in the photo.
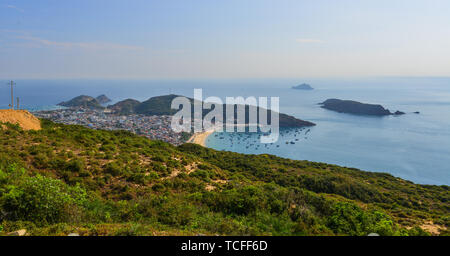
(17, 101)
(12, 94)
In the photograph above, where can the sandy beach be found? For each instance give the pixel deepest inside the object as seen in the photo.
(200, 138)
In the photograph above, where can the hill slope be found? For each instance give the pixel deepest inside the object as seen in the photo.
(159, 105)
(116, 183)
(102, 99)
(82, 101)
(125, 107)
(23, 118)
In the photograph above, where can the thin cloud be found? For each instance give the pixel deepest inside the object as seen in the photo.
(83, 45)
(308, 41)
(10, 6)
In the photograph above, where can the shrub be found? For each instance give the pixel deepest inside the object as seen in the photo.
(176, 213)
(236, 201)
(158, 187)
(113, 169)
(204, 167)
(40, 161)
(138, 178)
(42, 200)
(159, 158)
(158, 167)
(201, 174)
(348, 218)
(75, 165)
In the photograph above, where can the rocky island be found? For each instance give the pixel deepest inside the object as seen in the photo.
(357, 108)
(82, 101)
(102, 99)
(160, 105)
(302, 87)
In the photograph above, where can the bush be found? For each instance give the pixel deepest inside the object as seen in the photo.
(159, 158)
(75, 165)
(113, 169)
(176, 213)
(236, 201)
(42, 200)
(348, 218)
(138, 178)
(201, 174)
(40, 161)
(158, 187)
(159, 167)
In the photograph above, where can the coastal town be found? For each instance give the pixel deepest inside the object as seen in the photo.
(153, 127)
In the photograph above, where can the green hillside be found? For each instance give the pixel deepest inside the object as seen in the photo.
(125, 107)
(64, 179)
(82, 101)
(161, 105)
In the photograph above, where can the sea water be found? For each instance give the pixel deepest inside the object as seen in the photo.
(413, 146)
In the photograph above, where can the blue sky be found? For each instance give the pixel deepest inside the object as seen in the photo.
(180, 39)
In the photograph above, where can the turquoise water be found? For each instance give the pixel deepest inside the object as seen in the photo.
(415, 147)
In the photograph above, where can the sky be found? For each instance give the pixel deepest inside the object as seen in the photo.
(204, 39)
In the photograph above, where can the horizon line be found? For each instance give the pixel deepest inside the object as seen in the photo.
(229, 78)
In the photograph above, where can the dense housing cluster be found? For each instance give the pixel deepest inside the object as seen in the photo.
(153, 127)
